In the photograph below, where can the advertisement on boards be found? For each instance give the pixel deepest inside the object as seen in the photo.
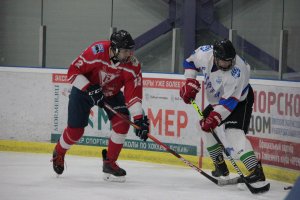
(170, 119)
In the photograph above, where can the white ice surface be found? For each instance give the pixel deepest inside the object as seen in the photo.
(30, 176)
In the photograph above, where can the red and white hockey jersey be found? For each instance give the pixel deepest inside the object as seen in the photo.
(224, 89)
(93, 66)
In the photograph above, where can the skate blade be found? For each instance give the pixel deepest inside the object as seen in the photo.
(112, 178)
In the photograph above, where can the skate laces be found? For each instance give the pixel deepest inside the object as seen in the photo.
(59, 160)
(114, 165)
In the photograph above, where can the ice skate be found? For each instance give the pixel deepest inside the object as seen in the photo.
(220, 168)
(256, 175)
(112, 172)
(58, 162)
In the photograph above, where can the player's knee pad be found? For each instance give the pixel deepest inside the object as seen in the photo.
(119, 125)
(209, 139)
(238, 141)
(118, 138)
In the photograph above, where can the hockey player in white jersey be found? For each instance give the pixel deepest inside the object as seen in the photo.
(230, 96)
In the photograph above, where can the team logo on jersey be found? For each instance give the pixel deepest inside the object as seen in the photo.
(106, 77)
(98, 48)
(236, 72)
(205, 48)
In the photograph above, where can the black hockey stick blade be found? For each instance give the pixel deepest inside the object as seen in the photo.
(253, 190)
(257, 190)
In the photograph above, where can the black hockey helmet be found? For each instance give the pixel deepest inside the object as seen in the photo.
(224, 50)
(121, 40)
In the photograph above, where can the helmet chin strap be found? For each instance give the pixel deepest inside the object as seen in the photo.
(115, 58)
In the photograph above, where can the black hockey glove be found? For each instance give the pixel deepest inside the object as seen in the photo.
(97, 96)
(143, 123)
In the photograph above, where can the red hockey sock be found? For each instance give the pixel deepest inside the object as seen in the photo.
(113, 150)
(68, 138)
(117, 139)
(59, 149)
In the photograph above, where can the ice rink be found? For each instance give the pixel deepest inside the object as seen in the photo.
(27, 176)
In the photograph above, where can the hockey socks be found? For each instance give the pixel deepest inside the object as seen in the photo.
(216, 154)
(68, 138)
(214, 151)
(249, 160)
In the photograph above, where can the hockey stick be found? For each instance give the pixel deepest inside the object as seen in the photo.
(252, 189)
(220, 182)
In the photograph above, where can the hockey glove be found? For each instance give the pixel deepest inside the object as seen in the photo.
(97, 96)
(190, 89)
(143, 123)
(211, 122)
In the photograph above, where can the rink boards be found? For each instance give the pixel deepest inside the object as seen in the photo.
(34, 114)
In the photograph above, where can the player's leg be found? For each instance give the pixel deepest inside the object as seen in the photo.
(236, 130)
(78, 112)
(243, 149)
(216, 153)
(215, 150)
(119, 132)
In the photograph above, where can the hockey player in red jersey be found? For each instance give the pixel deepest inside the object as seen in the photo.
(97, 76)
(227, 88)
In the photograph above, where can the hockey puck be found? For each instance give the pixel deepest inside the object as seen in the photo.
(288, 187)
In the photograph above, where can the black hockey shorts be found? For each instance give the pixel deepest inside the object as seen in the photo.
(80, 105)
(241, 115)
